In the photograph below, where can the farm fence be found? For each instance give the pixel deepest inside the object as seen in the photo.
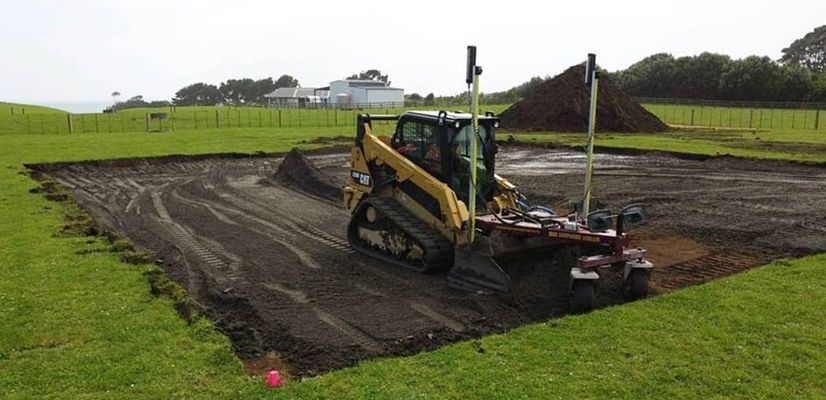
(737, 114)
(678, 112)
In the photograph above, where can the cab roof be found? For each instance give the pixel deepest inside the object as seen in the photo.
(450, 116)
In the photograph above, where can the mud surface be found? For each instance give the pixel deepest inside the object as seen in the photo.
(562, 105)
(265, 257)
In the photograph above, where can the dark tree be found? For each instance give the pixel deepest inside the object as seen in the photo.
(286, 81)
(238, 91)
(819, 90)
(430, 99)
(198, 94)
(370, 75)
(752, 78)
(652, 76)
(808, 51)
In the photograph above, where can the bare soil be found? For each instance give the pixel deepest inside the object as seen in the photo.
(562, 104)
(264, 255)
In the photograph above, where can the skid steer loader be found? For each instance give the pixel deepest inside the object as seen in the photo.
(428, 199)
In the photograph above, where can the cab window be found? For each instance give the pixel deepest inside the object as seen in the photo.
(419, 142)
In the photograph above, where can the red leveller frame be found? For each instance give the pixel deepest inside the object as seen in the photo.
(553, 228)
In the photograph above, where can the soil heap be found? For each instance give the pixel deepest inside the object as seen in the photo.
(561, 105)
(299, 172)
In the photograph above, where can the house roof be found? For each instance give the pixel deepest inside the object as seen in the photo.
(363, 83)
(295, 92)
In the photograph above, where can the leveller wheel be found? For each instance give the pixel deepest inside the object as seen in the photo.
(582, 296)
(636, 284)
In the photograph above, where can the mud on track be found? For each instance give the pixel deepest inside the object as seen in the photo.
(270, 265)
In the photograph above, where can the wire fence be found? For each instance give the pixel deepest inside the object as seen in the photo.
(192, 118)
(738, 115)
(680, 112)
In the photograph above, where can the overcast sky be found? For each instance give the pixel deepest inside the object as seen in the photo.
(56, 51)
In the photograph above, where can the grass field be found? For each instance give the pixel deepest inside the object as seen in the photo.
(86, 326)
(186, 118)
(733, 117)
(21, 109)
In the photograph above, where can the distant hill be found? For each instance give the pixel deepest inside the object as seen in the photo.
(6, 108)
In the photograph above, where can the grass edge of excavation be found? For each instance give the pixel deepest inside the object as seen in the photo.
(90, 324)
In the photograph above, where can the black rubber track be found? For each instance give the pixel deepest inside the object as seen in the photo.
(438, 251)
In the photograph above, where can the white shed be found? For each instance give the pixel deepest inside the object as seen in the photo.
(365, 94)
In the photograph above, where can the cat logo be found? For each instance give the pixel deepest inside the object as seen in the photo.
(361, 178)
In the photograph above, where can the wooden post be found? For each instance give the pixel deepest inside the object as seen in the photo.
(817, 119)
(279, 118)
(692, 116)
(42, 126)
(148, 127)
(110, 122)
(195, 119)
(760, 123)
(217, 120)
(751, 117)
(28, 128)
(97, 124)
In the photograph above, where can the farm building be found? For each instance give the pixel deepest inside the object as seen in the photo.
(298, 97)
(365, 93)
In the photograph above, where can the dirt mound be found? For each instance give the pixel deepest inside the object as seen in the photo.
(561, 105)
(300, 173)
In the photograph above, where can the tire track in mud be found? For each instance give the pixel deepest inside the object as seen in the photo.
(218, 181)
(337, 307)
(359, 336)
(707, 268)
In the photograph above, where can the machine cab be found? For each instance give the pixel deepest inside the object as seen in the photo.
(440, 143)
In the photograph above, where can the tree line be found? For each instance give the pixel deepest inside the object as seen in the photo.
(237, 92)
(799, 75)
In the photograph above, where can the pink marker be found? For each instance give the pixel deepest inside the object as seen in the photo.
(274, 379)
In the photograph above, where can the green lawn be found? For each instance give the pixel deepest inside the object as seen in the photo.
(740, 117)
(188, 118)
(86, 326)
(804, 146)
(17, 108)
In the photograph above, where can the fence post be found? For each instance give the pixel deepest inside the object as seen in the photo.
(760, 123)
(751, 117)
(805, 117)
(42, 126)
(692, 116)
(793, 115)
(28, 128)
(817, 119)
(217, 120)
(97, 124)
(148, 127)
(279, 117)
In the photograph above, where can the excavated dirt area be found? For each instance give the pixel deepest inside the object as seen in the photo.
(265, 257)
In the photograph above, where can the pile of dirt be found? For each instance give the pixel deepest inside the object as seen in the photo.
(299, 172)
(561, 105)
